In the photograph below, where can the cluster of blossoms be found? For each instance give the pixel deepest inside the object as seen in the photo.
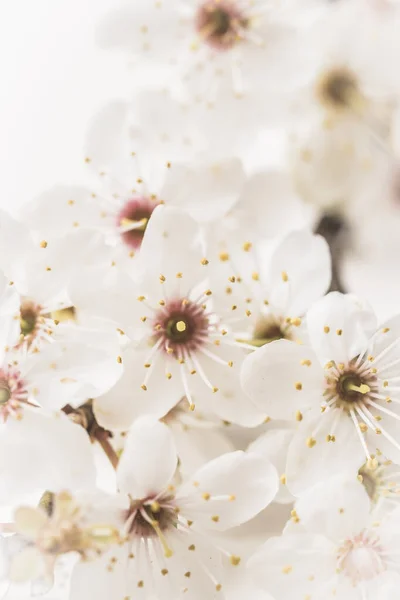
(194, 403)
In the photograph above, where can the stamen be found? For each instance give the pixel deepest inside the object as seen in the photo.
(362, 389)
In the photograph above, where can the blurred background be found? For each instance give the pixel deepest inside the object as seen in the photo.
(53, 78)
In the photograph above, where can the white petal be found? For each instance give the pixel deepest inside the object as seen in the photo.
(26, 565)
(229, 403)
(206, 191)
(29, 521)
(198, 445)
(229, 490)
(96, 579)
(126, 401)
(273, 446)
(339, 327)
(105, 135)
(282, 378)
(293, 566)
(59, 451)
(149, 460)
(300, 273)
(171, 245)
(337, 508)
(309, 463)
(259, 199)
(58, 210)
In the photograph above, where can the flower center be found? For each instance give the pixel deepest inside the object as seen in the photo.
(221, 24)
(348, 388)
(181, 325)
(338, 89)
(13, 392)
(5, 392)
(151, 518)
(360, 558)
(133, 218)
(29, 317)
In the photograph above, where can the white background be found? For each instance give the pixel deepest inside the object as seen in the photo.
(53, 78)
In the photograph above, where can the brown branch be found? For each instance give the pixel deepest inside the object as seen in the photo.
(103, 438)
(333, 228)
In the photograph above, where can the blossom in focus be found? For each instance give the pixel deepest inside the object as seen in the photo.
(171, 530)
(341, 388)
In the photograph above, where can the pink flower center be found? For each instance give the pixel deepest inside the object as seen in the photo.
(13, 392)
(180, 327)
(360, 558)
(133, 218)
(221, 23)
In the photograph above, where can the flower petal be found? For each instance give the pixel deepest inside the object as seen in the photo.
(149, 460)
(171, 245)
(337, 508)
(283, 378)
(339, 327)
(127, 401)
(207, 191)
(26, 565)
(293, 566)
(229, 491)
(299, 274)
(313, 455)
(29, 521)
(273, 446)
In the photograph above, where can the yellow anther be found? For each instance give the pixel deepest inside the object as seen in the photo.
(294, 516)
(155, 507)
(43, 244)
(168, 375)
(339, 331)
(181, 326)
(230, 363)
(386, 329)
(119, 359)
(162, 278)
(234, 560)
(298, 386)
(215, 518)
(224, 256)
(296, 322)
(363, 427)
(144, 387)
(206, 496)
(247, 246)
(283, 479)
(310, 442)
(179, 275)
(255, 276)
(287, 570)
(232, 279)
(215, 389)
(327, 329)
(204, 261)
(361, 389)
(306, 363)
(285, 276)
(299, 416)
